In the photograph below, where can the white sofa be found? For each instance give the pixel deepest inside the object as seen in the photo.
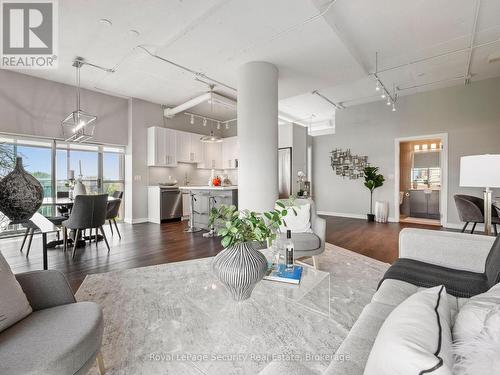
(449, 249)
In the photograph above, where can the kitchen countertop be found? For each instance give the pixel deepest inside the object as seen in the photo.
(194, 187)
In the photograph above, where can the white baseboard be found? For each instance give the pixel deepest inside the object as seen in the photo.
(136, 221)
(479, 227)
(349, 215)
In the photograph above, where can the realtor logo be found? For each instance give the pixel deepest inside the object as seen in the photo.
(29, 34)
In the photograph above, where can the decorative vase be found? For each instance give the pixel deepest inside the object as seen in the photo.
(21, 194)
(79, 188)
(240, 268)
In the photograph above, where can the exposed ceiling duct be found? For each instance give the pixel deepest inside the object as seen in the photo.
(209, 97)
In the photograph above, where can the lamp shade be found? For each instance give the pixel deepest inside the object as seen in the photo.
(480, 171)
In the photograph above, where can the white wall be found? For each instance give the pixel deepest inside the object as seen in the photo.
(36, 107)
(470, 115)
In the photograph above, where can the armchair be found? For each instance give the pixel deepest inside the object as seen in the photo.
(310, 244)
(471, 210)
(60, 337)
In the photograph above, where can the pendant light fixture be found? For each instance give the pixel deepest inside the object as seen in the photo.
(78, 126)
(212, 138)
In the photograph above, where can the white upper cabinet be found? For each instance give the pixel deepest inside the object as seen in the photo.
(162, 145)
(230, 152)
(212, 156)
(189, 148)
(167, 147)
(196, 148)
(184, 147)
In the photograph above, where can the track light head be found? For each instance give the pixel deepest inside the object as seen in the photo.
(377, 88)
(204, 122)
(393, 108)
(218, 125)
(388, 101)
(192, 120)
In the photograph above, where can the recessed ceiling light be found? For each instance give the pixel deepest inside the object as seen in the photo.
(106, 22)
(134, 33)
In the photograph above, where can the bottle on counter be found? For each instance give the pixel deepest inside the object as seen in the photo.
(289, 251)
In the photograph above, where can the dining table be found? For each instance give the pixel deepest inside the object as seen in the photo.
(68, 202)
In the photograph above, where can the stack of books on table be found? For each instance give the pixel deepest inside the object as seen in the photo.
(283, 275)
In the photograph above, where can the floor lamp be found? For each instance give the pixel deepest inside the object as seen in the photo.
(481, 171)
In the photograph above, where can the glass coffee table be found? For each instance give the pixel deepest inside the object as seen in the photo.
(178, 318)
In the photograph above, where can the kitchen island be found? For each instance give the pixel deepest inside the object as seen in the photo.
(199, 200)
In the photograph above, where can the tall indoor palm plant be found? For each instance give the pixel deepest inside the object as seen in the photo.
(373, 180)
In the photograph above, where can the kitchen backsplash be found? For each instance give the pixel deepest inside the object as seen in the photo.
(195, 176)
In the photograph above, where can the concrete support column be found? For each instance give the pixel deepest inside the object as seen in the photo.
(258, 136)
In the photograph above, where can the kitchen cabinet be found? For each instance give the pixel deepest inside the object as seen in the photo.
(162, 146)
(212, 156)
(230, 151)
(189, 147)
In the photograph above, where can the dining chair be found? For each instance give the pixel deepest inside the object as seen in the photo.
(62, 214)
(471, 210)
(89, 212)
(112, 213)
(62, 210)
(28, 235)
(117, 194)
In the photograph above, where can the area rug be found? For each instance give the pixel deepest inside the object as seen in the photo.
(175, 319)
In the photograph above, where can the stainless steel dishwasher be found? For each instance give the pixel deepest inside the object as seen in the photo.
(170, 203)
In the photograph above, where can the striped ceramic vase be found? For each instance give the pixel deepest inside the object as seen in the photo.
(240, 268)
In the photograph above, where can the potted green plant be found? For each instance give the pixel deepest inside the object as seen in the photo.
(240, 266)
(373, 180)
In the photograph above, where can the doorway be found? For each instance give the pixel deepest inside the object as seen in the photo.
(421, 179)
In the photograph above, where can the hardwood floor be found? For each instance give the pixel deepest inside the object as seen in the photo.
(375, 240)
(149, 244)
(141, 245)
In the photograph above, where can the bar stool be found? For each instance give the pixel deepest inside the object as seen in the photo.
(191, 228)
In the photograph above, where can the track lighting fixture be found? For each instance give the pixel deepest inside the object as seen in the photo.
(218, 125)
(192, 120)
(377, 88)
(204, 122)
(393, 108)
(383, 95)
(388, 101)
(227, 125)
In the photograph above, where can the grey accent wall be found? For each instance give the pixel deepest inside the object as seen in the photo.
(36, 107)
(470, 115)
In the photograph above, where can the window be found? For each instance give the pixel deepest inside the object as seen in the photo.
(102, 167)
(37, 160)
(113, 172)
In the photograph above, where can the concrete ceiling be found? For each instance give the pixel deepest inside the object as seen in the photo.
(320, 45)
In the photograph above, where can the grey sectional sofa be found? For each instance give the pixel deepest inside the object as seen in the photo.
(449, 249)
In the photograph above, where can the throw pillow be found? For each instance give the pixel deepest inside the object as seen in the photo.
(480, 354)
(300, 223)
(471, 318)
(415, 338)
(14, 305)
